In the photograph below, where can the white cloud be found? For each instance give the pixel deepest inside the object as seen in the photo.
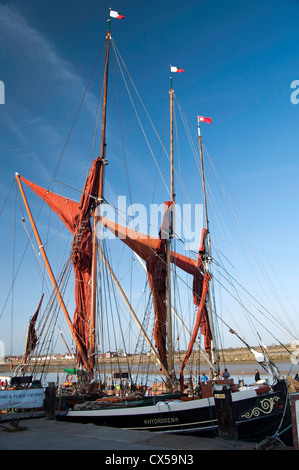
(37, 76)
(31, 45)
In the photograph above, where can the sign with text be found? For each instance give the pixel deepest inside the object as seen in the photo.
(31, 398)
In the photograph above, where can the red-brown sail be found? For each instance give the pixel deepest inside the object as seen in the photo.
(201, 322)
(65, 208)
(150, 249)
(76, 217)
(200, 291)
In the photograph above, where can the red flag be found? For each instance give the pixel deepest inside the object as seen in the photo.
(115, 14)
(204, 119)
(175, 69)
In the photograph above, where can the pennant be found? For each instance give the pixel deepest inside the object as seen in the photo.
(115, 14)
(204, 119)
(175, 69)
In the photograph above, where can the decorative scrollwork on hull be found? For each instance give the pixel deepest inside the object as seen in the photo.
(265, 406)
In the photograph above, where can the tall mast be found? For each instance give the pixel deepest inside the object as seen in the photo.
(170, 362)
(203, 181)
(207, 259)
(99, 200)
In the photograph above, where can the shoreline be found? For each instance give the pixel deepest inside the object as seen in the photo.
(235, 368)
(239, 361)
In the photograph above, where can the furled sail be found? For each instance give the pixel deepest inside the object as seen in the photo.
(152, 251)
(76, 217)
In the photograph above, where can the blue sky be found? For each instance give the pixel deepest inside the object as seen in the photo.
(240, 59)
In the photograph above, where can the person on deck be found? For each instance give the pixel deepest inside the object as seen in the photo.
(257, 375)
(204, 378)
(226, 374)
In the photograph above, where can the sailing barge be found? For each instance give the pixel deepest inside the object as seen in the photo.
(258, 411)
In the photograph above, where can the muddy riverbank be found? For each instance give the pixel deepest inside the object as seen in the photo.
(239, 359)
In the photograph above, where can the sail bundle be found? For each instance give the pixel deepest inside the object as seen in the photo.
(152, 251)
(76, 217)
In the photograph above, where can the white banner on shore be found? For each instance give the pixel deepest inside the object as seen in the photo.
(31, 398)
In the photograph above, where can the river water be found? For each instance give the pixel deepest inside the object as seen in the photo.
(244, 372)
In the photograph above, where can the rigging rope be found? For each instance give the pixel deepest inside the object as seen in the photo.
(77, 114)
(252, 251)
(222, 192)
(119, 58)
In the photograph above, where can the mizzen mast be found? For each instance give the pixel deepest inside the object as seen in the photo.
(207, 259)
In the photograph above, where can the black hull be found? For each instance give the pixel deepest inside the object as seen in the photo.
(256, 417)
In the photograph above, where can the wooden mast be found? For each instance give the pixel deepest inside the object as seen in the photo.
(207, 259)
(170, 362)
(99, 200)
(52, 277)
